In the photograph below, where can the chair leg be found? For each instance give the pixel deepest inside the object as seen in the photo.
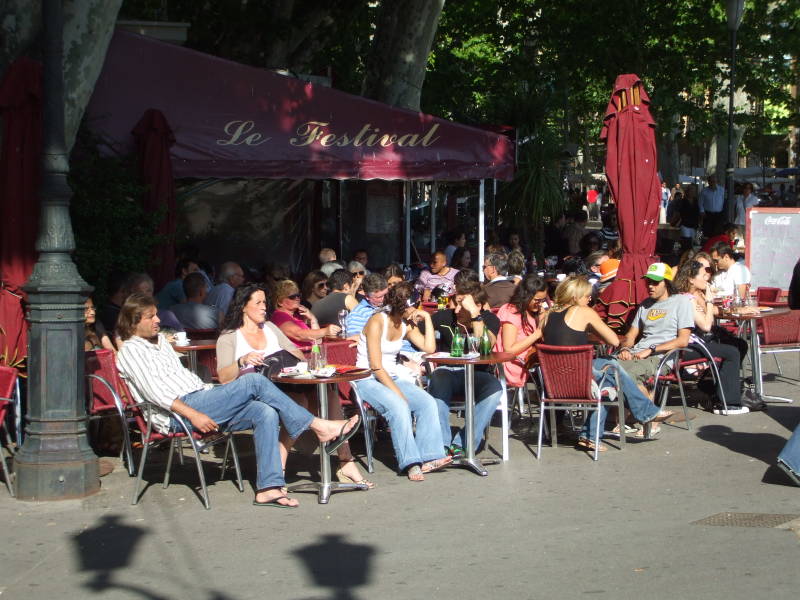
(504, 424)
(126, 441)
(685, 406)
(138, 482)
(200, 474)
(553, 427)
(542, 416)
(6, 473)
(172, 444)
(369, 441)
(777, 364)
(597, 436)
(236, 464)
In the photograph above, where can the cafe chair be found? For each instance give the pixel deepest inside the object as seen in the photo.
(9, 386)
(568, 385)
(10, 390)
(768, 294)
(103, 401)
(781, 334)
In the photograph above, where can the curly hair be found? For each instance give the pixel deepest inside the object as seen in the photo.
(234, 318)
(397, 300)
(526, 290)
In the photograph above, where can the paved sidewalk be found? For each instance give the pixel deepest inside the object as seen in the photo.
(562, 527)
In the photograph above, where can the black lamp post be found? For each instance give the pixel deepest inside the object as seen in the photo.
(55, 461)
(735, 10)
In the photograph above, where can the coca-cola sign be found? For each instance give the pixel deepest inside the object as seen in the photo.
(782, 220)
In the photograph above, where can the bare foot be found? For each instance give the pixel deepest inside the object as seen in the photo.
(415, 473)
(272, 493)
(435, 465)
(350, 469)
(330, 430)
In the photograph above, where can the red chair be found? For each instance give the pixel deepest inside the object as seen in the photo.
(103, 401)
(142, 413)
(768, 294)
(568, 385)
(781, 334)
(9, 395)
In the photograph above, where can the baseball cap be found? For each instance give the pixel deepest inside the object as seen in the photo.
(608, 269)
(659, 272)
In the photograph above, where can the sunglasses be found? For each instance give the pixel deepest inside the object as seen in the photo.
(697, 265)
(294, 296)
(321, 285)
(361, 273)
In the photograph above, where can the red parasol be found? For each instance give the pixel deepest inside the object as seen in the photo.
(154, 139)
(20, 156)
(629, 132)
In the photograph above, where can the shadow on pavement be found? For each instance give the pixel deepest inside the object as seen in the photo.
(337, 564)
(762, 446)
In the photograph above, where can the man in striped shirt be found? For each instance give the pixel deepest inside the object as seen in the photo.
(155, 374)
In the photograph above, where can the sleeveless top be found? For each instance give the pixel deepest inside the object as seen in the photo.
(389, 349)
(557, 333)
(243, 347)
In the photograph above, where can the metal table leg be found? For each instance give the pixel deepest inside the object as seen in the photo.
(755, 360)
(324, 487)
(469, 459)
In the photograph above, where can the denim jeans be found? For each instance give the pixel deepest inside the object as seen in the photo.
(253, 402)
(640, 405)
(410, 448)
(447, 382)
(790, 455)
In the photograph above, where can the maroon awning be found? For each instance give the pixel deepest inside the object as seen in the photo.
(231, 120)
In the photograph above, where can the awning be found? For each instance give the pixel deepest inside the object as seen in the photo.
(232, 120)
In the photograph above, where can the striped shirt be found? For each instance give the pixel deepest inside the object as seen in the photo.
(429, 281)
(357, 319)
(154, 373)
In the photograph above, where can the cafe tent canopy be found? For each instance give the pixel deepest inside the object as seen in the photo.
(233, 120)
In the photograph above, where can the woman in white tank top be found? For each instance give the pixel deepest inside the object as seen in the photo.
(396, 396)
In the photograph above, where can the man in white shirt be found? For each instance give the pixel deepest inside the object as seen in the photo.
(747, 200)
(712, 206)
(155, 374)
(730, 272)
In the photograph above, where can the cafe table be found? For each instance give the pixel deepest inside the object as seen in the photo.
(468, 362)
(192, 348)
(752, 319)
(324, 487)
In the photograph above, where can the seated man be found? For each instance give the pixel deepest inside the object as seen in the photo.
(439, 275)
(231, 276)
(193, 314)
(375, 290)
(340, 297)
(251, 401)
(499, 289)
(469, 310)
(172, 293)
(730, 272)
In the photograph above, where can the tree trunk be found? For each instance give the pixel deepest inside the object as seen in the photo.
(395, 69)
(88, 27)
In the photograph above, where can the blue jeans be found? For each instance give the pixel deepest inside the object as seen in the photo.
(790, 455)
(253, 402)
(410, 448)
(640, 405)
(447, 382)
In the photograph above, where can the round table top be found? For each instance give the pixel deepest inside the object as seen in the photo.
(336, 378)
(196, 345)
(487, 359)
(774, 312)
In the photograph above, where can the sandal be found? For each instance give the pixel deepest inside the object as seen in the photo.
(641, 433)
(586, 444)
(615, 432)
(662, 416)
(415, 473)
(436, 465)
(342, 477)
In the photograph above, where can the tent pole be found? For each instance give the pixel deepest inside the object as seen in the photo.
(339, 231)
(407, 205)
(434, 197)
(481, 223)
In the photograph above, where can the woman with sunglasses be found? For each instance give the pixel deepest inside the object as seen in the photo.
(693, 280)
(565, 325)
(315, 288)
(295, 320)
(391, 390)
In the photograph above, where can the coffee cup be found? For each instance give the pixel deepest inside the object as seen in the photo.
(302, 367)
(181, 339)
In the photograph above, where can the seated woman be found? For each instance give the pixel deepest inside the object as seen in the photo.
(392, 392)
(516, 266)
(693, 280)
(295, 320)
(565, 325)
(394, 274)
(95, 336)
(462, 259)
(519, 329)
(315, 288)
(247, 340)
(469, 310)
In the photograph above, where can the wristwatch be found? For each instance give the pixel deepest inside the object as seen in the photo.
(653, 348)
(478, 318)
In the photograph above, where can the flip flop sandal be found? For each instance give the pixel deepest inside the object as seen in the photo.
(436, 465)
(274, 503)
(415, 473)
(584, 444)
(615, 432)
(334, 445)
(654, 431)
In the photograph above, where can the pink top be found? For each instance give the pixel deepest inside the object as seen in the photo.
(280, 317)
(516, 374)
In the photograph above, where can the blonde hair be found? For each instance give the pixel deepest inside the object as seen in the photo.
(284, 289)
(569, 290)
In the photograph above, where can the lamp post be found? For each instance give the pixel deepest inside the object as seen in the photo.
(735, 10)
(55, 461)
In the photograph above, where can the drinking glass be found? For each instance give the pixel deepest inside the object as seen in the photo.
(342, 317)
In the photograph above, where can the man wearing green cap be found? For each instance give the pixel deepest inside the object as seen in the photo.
(663, 322)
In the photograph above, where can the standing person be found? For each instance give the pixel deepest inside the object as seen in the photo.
(573, 232)
(591, 201)
(687, 213)
(340, 297)
(456, 239)
(665, 194)
(155, 373)
(419, 450)
(438, 276)
(497, 286)
(747, 200)
(231, 276)
(468, 311)
(712, 207)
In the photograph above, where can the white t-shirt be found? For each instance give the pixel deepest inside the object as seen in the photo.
(742, 204)
(725, 281)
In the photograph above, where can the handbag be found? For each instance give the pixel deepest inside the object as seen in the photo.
(275, 362)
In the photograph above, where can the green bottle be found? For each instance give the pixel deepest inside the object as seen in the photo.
(485, 345)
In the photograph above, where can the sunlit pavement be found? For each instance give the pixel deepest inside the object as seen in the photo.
(562, 527)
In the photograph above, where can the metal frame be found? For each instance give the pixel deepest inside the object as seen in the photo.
(127, 449)
(368, 422)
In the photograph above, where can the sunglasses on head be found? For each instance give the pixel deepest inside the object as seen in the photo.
(294, 296)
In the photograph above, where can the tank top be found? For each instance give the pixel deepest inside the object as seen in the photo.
(556, 332)
(389, 349)
(243, 347)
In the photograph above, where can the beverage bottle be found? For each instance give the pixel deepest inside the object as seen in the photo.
(315, 359)
(737, 299)
(457, 347)
(485, 345)
(342, 317)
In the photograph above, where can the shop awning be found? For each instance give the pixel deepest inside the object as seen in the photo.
(232, 120)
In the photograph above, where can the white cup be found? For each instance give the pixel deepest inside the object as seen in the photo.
(302, 367)
(181, 339)
(561, 276)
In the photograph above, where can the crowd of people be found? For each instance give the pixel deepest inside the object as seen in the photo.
(388, 317)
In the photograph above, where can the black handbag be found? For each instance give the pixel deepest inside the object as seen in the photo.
(274, 363)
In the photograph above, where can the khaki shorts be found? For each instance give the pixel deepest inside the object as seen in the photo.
(643, 369)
